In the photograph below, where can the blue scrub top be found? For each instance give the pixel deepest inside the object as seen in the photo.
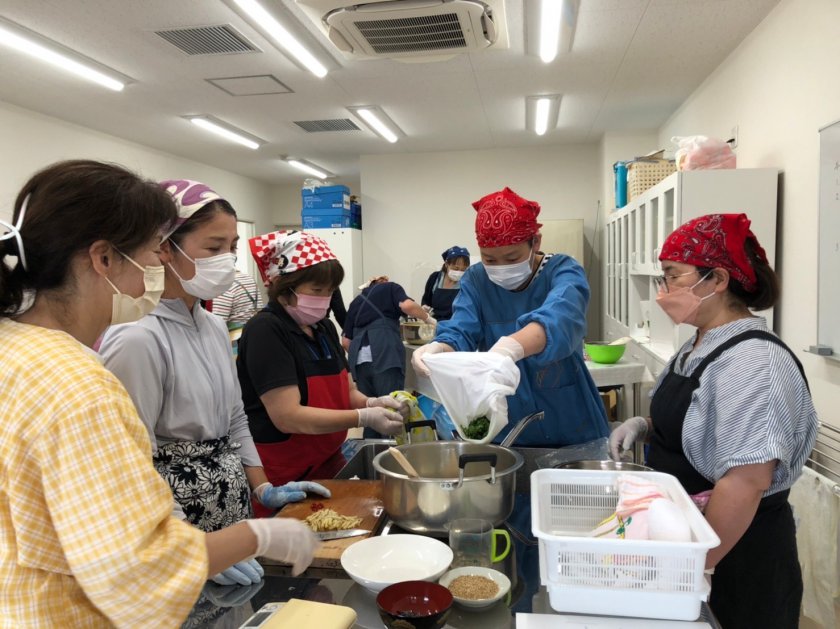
(556, 380)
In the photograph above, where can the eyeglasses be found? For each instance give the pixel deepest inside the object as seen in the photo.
(661, 281)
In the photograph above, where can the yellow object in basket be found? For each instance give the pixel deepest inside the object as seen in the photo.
(300, 613)
(418, 435)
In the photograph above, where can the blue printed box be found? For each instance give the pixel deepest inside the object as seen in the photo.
(326, 197)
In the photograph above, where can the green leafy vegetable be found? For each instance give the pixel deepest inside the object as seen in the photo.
(477, 428)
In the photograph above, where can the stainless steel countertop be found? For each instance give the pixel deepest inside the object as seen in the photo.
(230, 606)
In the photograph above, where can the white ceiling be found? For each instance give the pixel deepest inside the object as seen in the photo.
(633, 62)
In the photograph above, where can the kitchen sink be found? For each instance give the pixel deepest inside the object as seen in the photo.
(360, 455)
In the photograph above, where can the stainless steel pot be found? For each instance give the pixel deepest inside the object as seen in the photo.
(620, 466)
(456, 480)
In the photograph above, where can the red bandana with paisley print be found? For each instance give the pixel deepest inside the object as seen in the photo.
(716, 241)
(504, 218)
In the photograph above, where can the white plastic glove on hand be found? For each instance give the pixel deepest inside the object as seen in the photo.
(243, 573)
(626, 434)
(430, 320)
(285, 539)
(382, 420)
(386, 401)
(275, 497)
(510, 347)
(417, 357)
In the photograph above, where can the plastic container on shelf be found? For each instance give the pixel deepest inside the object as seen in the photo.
(620, 170)
(620, 577)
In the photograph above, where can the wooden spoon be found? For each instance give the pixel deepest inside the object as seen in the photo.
(399, 457)
(622, 341)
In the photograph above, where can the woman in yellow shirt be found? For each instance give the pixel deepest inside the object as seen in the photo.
(89, 535)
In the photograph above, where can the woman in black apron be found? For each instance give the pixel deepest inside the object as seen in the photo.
(732, 418)
(442, 286)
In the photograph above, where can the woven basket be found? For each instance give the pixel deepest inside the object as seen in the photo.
(642, 175)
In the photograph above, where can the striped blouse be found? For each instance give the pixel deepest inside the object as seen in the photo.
(752, 406)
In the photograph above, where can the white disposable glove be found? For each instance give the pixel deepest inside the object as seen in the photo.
(427, 308)
(386, 401)
(626, 434)
(510, 347)
(285, 539)
(430, 320)
(382, 420)
(417, 358)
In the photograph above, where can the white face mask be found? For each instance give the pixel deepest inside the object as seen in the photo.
(510, 276)
(213, 276)
(128, 309)
(455, 276)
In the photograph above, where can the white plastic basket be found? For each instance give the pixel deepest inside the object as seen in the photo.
(620, 577)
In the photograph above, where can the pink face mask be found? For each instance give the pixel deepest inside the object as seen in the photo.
(309, 310)
(681, 304)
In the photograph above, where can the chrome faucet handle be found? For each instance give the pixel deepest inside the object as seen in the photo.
(520, 426)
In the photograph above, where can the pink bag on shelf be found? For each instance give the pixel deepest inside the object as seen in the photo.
(698, 152)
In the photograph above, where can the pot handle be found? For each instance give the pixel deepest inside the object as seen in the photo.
(420, 423)
(466, 459)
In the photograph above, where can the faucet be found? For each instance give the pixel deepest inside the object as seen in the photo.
(519, 427)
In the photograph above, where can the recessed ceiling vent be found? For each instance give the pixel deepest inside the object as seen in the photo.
(318, 126)
(409, 29)
(208, 40)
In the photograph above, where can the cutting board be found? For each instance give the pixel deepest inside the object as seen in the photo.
(360, 498)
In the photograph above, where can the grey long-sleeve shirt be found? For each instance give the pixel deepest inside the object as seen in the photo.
(179, 370)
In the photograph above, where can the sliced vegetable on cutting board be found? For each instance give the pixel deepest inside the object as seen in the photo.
(350, 498)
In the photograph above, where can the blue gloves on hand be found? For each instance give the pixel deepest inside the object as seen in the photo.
(242, 573)
(229, 595)
(275, 497)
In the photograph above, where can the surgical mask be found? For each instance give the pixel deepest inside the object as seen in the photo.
(455, 276)
(213, 276)
(510, 276)
(681, 304)
(128, 309)
(310, 309)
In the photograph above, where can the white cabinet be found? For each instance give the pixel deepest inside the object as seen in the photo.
(346, 244)
(634, 235)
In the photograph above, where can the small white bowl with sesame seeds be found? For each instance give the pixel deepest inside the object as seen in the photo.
(475, 587)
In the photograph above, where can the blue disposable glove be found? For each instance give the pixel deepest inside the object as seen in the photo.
(242, 573)
(230, 595)
(275, 497)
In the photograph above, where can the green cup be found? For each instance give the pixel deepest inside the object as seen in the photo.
(474, 542)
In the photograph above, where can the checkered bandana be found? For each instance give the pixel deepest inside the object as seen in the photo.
(284, 252)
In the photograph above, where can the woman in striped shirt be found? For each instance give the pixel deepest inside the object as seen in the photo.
(731, 417)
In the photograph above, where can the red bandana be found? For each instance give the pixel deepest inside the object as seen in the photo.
(715, 241)
(504, 218)
(281, 253)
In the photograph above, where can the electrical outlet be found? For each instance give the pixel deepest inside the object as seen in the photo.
(733, 137)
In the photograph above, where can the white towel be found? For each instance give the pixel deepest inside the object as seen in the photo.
(817, 515)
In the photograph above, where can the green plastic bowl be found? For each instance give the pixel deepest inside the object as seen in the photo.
(604, 353)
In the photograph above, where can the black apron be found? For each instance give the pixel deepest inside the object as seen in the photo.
(442, 300)
(759, 582)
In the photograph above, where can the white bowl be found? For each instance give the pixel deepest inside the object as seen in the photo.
(378, 562)
(494, 575)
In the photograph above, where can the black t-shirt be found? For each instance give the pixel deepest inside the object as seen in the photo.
(274, 352)
(386, 296)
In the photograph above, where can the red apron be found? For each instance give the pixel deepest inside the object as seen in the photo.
(305, 457)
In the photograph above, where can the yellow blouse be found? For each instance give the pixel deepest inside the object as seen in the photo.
(86, 533)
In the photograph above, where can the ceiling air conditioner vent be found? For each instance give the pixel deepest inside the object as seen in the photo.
(406, 29)
(318, 126)
(208, 40)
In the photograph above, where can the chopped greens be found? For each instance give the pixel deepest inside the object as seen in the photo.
(477, 428)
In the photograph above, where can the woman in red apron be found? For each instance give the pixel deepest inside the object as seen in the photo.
(731, 418)
(298, 394)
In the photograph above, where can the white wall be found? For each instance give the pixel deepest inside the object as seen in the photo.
(780, 86)
(416, 206)
(31, 141)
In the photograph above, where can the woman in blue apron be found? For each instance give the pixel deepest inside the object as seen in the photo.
(731, 417)
(177, 365)
(442, 286)
(372, 337)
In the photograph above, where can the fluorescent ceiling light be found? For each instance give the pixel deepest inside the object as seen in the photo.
(541, 113)
(229, 132)
(378, 122)
(308, 167)
(48, 51)
(558, 19)
(284, 38)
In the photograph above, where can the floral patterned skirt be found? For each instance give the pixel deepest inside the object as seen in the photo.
(207, 480)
